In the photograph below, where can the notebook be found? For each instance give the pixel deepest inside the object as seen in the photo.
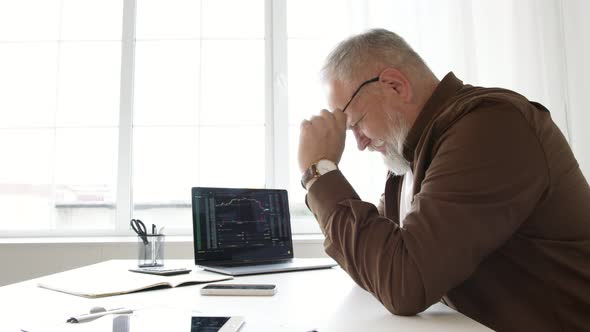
(245, 231)
(93, 282)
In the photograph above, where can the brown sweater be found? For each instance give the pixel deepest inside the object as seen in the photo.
(499, 227)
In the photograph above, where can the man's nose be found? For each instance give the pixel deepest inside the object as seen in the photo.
(362, 141)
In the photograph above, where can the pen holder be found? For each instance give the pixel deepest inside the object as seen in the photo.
(150, 250)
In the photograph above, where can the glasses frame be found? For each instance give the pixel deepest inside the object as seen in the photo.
(374, 79)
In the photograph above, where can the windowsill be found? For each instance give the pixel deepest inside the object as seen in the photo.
(298, 238)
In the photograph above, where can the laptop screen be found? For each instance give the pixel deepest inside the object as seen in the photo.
(240, 225)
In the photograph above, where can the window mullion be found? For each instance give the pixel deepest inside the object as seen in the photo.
(277, 121)
(124, 169)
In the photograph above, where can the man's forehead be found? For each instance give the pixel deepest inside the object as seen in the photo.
(337, 85)
(337, 93)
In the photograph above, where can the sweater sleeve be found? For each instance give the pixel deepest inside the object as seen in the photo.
(486, 174)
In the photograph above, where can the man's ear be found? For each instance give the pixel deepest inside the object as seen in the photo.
(398, 83)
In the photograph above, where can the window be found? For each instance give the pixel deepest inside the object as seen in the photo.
(59, 77)
(96, 128)
(199, 114)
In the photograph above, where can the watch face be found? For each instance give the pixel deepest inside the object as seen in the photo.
(315, 170)
(324, 166)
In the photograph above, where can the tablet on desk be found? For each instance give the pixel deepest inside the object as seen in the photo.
(179, 322)
(216, 324)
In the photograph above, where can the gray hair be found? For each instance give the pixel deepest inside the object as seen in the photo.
(370, 51)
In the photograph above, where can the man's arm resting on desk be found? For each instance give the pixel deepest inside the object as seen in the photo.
(461, 214)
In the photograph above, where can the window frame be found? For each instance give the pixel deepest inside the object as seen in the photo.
(276, 161)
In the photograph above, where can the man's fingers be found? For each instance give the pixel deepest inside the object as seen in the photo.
(341, 118)
(327, 114)
(326, 119)
(330, 119)
(304, 124)
(317, 120)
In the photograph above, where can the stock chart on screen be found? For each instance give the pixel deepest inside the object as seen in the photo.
(240, 218)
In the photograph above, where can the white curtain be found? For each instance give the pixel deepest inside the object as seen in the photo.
(535, 47)
(512, 44)
(576, 29)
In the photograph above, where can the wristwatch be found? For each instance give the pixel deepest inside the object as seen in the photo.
(316, 170)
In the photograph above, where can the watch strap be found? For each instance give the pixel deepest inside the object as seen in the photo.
(316, 170)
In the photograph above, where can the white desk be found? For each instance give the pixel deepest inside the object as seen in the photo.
(327, 300)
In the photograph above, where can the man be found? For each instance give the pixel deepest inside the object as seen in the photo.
(485, 207)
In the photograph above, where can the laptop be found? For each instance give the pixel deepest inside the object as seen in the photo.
(245, 231)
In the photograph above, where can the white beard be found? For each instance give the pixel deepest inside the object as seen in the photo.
(394, 145)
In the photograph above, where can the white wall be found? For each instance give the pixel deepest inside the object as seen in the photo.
(36, 258)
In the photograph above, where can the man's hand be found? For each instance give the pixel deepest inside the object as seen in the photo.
(322, 137)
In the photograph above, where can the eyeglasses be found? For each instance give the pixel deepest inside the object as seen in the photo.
(374, 79)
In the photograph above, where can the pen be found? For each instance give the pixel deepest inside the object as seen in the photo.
(87, 317)
(153, 229)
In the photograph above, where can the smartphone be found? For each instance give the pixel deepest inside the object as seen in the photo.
(240, 289)
(161, 271)
(216, 324)
(165, 319)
